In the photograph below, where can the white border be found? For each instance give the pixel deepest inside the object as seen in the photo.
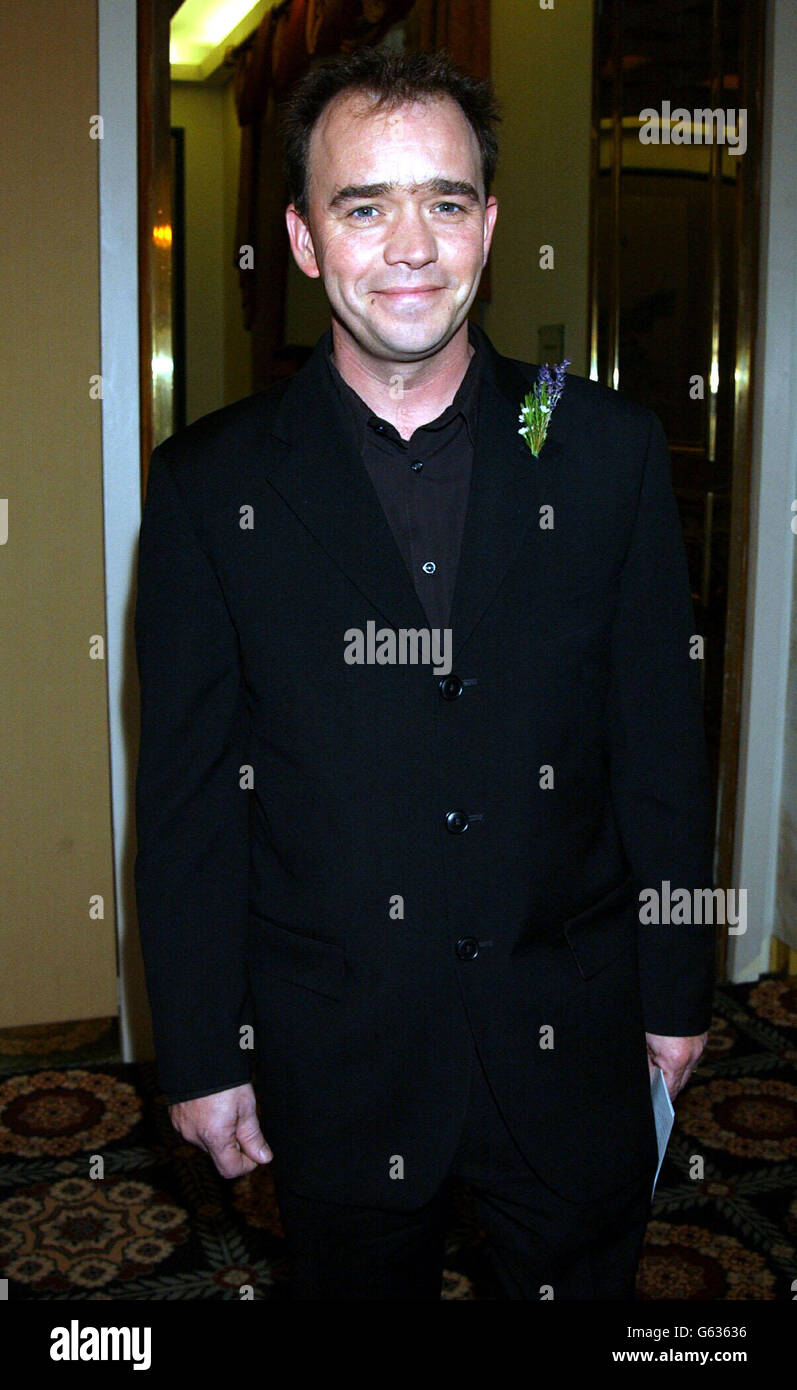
(117, 41)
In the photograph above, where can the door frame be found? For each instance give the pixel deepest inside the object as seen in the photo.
(121, 451)
(772, 570)
(749, 212)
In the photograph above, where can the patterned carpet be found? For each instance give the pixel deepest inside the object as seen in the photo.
(100, 1199)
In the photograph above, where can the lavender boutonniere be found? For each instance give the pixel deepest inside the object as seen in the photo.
(538, 406)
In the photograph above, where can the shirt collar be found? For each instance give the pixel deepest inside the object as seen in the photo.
(465, 402)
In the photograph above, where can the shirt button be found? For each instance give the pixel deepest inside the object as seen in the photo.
(430, 567)
(416, 465)
(457, 822)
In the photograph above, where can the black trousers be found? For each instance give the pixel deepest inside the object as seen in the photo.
(540, 1245)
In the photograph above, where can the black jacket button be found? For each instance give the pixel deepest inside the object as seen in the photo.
(450, 687)
(467, 948)
(456, 822)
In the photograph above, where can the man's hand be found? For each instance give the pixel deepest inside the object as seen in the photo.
(226, 1126)
(677, 1058)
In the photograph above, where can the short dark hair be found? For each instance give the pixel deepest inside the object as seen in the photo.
(391, 79)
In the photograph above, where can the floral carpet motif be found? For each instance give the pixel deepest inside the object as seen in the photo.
(101, 1199)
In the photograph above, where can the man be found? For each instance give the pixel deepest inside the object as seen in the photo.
(423, 879)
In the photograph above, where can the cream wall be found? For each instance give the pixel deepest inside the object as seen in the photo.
(217, 345)
(542, 71)
(55, 851)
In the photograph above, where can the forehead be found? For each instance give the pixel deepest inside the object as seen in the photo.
(353, 141)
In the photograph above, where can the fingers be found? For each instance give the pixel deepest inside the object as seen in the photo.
(250, 1138)
(229, 1159)
(236, 1154)
(673, 1075)
(225, 1126)
(688, 1074)
(680, 1079)
(674, 1083)
(677, 1057)
(248, 1133)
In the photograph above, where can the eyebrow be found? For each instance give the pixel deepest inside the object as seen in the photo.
(459, 188)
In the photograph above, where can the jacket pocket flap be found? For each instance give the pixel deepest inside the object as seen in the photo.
(288, 954)
(599, 933)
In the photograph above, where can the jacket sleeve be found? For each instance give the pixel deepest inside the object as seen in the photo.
(658, 761)
(192, 817)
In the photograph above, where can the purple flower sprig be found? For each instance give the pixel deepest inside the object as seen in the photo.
(538, 406)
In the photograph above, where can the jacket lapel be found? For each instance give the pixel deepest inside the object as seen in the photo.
(508, 487)
(322, 478)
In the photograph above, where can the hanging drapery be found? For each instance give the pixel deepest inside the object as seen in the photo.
(460, 26)
(251, 81)
(290, 37)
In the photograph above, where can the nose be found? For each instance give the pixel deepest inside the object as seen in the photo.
(411, 241)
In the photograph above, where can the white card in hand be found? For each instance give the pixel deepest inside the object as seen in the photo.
(663, 1116)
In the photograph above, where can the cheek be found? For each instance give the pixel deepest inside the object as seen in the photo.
(346, 259)
(461, 249)
(469, 246)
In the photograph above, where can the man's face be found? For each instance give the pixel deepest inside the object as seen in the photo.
(398, 227)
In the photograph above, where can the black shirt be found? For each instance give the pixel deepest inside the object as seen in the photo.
(423, 482)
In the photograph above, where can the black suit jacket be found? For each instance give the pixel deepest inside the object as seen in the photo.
(296, 861)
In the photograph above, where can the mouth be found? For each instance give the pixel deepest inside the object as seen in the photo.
(409, 293)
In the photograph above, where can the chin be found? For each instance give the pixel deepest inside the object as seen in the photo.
(413, 338)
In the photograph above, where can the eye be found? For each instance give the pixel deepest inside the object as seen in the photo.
(455, 207)
(362, 209)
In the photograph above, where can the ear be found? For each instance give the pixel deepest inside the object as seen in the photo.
(490, 216)
(301, 242)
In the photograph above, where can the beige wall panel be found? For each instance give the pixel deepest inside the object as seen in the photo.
(55, 850)
(542, 71)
